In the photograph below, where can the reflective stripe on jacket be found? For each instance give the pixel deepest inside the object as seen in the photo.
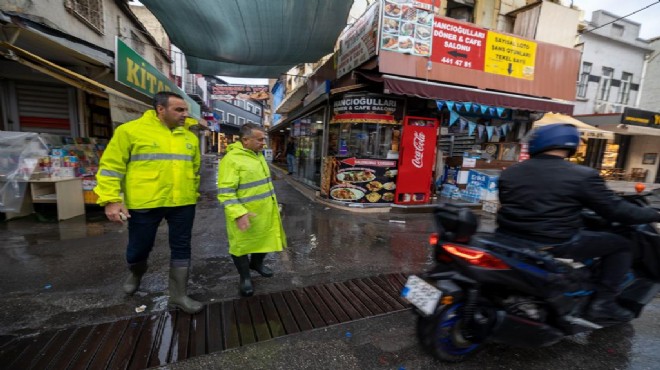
(244, 185)
(152, 165)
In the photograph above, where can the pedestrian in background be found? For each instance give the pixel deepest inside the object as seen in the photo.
(254, 226)
(290, 153)
(154, 161)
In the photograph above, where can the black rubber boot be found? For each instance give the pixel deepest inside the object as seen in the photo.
(178, 291)
(133, 280)
(257, 264)
(243, 266)
(605, 309)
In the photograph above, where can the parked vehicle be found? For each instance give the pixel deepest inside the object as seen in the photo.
(494, 288)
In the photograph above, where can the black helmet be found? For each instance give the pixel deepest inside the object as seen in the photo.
(554, 136)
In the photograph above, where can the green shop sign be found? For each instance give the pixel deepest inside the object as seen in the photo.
(133, 71)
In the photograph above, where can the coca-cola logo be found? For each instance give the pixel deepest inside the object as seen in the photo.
(418, 142)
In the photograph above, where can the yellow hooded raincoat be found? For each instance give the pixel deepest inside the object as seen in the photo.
(244, 185)
(153, 165)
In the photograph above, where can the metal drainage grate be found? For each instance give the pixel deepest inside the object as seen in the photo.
(168, 337)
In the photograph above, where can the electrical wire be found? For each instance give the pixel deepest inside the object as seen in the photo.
(620, 18)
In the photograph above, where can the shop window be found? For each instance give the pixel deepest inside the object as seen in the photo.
(605, 84)
(624, 88)
(584, 79)
(231, 118)
(610, 155)
(581, 153)
(462, 10)
(363, 140)
(89, 11)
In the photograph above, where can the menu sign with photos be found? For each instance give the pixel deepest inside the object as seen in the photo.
(364, 180)
(359, 42)
(407, 27)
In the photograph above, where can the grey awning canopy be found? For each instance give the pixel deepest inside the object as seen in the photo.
(251, 38)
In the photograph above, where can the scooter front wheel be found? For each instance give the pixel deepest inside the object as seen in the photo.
(445, 335)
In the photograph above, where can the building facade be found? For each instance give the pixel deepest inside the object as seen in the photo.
(612, 65)
(58, 67)
(616, 92)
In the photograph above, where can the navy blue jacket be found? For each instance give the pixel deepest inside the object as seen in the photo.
(542, 199)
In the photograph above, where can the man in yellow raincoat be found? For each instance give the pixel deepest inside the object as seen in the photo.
(254, 226)
(155, 162)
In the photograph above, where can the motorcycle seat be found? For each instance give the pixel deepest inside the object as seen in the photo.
(501, 239)
(523, 250)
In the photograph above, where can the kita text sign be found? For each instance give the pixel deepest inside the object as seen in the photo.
(458, 45)
(132, 70)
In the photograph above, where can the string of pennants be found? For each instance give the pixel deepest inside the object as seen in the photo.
(454, 116)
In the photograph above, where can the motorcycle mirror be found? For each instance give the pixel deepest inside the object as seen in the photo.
(639, 187)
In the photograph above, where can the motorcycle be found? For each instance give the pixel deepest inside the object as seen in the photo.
(492, 288)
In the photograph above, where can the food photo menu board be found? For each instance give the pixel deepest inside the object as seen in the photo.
(407, 27)
(364, 180)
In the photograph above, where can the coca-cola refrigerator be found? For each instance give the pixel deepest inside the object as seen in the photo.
(416, 160)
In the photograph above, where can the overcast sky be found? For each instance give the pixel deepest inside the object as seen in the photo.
(648, 18)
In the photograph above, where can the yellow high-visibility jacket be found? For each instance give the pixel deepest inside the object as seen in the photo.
(152, 165)
(244, 185)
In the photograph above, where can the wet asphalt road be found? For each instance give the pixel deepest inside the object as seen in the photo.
(57, 275)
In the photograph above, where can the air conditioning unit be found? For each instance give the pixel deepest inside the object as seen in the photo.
(604, 107)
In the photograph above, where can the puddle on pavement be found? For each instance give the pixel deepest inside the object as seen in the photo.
(42, 227)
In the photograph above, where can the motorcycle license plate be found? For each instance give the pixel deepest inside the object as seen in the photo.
(421, 294)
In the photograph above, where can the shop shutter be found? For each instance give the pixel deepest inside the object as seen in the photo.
(44, 108)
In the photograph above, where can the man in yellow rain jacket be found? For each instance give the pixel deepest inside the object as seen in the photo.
(155, 162)
(252, 215)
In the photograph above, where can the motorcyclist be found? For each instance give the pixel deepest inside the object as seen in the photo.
(542, 199)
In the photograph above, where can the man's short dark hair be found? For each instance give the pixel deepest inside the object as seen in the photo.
(163, 97)
(246, 129)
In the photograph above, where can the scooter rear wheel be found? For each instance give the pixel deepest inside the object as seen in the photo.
(445, 338)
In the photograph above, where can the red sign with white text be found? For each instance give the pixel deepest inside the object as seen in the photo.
(416, 160)
(457, 44)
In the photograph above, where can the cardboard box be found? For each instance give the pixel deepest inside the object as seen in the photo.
(484, 179)
(490, 206)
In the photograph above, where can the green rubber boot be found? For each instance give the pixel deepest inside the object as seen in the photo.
(178, 287)
(133, 280)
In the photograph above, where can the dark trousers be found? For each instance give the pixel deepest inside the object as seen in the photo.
(142, 228)
(615, 252)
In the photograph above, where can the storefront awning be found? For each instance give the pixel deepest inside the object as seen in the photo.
(436, 90)
(62, 74)
(293, 101)
(587, 131)
(624, 129)
(258, 38)
(123, 108)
